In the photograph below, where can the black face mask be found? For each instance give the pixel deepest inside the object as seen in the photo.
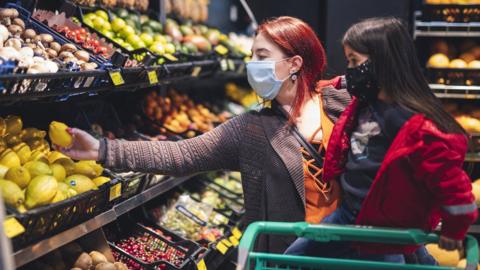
(361, 82)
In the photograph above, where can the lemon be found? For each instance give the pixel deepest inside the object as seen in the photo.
(19, 176)
(23, 151)
(59, 135)
(14, 124)
(80, 183)
(58, 172)
(29, 134)
(55, 156)
(37, 168)
(85, 168)
(60, 196)
(101, 180)
(9, 158)
(37, 155)
(11, 193)
(3, 171)
(21, 208)
(41, 191)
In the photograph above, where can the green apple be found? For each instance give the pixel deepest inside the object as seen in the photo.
(107, 26)
(89, 16)
(101, 13)
(169, 48)
(110, 34)
(98, 23)
(118, 24)
(146, 38)
(157, 47)
(127, 31)
(88, 22)
(160, 38)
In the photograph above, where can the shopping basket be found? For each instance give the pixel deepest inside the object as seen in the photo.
(249, 260)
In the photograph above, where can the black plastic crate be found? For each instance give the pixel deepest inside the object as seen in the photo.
(172, 256)
(132, 183)
(451, 13)
(45, 221)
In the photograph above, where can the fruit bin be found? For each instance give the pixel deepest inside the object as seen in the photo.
(450, 76)
(48, 220)
(142, 55)
(451, 13)
(136, 238)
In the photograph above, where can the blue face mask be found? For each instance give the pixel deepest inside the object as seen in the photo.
(262, 78)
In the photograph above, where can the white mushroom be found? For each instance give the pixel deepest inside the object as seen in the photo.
(14, 42)
(4, 33)
(9, 53)
(26, 51)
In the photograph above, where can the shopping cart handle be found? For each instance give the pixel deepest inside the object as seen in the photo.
(326, 233)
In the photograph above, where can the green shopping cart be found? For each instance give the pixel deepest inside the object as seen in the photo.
(250, 260)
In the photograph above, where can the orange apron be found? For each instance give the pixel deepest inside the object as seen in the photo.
(321, 198)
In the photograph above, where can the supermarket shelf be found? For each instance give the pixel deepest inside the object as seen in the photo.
(444, 29)
(62, 85)
(43, 247)
(456, 91)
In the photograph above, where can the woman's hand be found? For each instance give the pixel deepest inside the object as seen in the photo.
(84, 146)
(450, 244)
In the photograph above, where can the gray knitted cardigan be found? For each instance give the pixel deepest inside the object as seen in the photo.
(258, 144)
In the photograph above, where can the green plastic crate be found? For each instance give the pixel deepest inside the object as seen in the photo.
(325, 233)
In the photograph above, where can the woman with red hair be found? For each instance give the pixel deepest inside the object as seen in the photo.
(281, 176)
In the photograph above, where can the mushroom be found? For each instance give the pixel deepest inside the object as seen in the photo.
(55, 46)
(15, 29)
(68, 48)
(19, 22)
(65, 54)
(31, 45)
(37, 39)
(14, 42)
(70, 59)
(7, 14)
(46, 38)
(29, 34)
(52, 66)
(82, 55)
(4, 33)
(38, 52)
(9, 53)
(51, 53)
(89, 66)
(26, 51)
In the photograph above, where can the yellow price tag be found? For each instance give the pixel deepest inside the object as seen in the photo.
(224, 65)
(152, 77)
(222, 50)
(237, 233)
(201, 265)
(170, 57)
(231, 64)
(116, 77)
(196, 71)
(115, 191)
(226, 243)
(12, 227)
(233, 240)
(222, 248)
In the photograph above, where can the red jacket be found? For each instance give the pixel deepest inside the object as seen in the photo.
(420, 181)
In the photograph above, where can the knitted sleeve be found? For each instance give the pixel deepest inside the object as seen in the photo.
(214, 150)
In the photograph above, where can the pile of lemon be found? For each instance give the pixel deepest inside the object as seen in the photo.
(33, 175)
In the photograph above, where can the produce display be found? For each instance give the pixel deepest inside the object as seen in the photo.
(467, 116)
(179, 114)
(33, 175)
(140, 5)
(195, 10)
(245, 97)
(447, 55)
(37, 52)
(149, 249)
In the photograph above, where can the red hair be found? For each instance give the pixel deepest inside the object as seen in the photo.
(295, 37)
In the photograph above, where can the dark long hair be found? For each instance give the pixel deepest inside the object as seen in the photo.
(391, 49)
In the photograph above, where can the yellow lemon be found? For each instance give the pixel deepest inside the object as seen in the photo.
(37, 168)
(9, 158)
(80, 183)
(23, 151)
(58, 172)
(11, 193)
(101, 180)
(59, 135)
(19, 176)
(41, 191)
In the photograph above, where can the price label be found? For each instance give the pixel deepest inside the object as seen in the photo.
(233, 240)
(170, 57)
(231, 64)
(116, 77)
(152, 77)
(237, 233)
(224, 65)
(115, 191)
(222, 50)
(222, 248)
(196, 71)
(12, 227)
(226, 243)
(201, 265)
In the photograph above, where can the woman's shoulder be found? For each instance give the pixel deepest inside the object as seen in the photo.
(335, 96)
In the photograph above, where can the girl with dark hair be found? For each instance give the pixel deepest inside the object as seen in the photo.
(281, 182)
(396, 153)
